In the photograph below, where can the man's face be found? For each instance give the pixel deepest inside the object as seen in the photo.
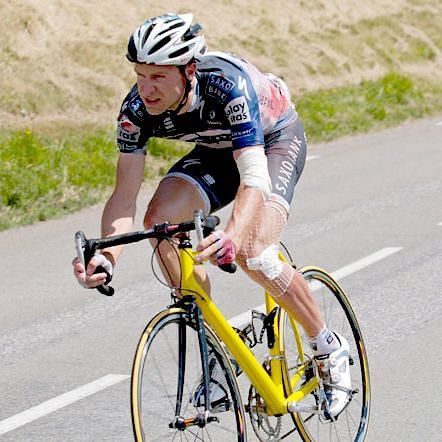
(160, 87)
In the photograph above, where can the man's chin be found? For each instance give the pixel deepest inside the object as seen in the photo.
(154, 108)
(154, 111)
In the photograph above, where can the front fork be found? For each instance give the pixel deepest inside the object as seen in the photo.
(202, 418)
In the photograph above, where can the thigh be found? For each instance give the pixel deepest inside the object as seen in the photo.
(286, 152)
(174, 200)
(266, 230)
(212, 172)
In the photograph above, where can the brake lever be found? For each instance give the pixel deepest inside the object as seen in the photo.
(204, 229)
(80, 241)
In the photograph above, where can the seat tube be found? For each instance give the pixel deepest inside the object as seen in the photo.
(275, 354)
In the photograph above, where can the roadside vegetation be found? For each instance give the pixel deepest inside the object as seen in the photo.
(42, 177)
(352, 67)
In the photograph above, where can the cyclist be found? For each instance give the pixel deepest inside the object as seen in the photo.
(250, 148)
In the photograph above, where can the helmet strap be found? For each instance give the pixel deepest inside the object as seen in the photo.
(187, 88)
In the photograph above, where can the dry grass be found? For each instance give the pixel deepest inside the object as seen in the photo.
(64, 62)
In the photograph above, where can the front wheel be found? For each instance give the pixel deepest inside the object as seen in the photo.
(352, 423)
(167, 372)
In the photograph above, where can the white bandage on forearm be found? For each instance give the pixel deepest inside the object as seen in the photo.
(253, 170)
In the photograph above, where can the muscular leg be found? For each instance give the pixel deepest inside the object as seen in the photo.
(175, 200)
(285, 284)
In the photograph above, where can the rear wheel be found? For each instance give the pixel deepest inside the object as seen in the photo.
(351, 424)
(166, 373)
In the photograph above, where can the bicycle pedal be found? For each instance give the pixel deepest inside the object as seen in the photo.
(221, 408)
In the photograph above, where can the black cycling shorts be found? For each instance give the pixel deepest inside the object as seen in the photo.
(214, 171)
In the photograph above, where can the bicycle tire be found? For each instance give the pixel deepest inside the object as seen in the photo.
(352, 423)
(156, 378)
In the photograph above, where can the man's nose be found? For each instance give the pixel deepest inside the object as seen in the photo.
(147, 88)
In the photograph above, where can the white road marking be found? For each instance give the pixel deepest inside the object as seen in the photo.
(58, 402)
(243, 319)
(439, 123)
(365, 262)
(312, 157)
(440, 224)
(72, 396)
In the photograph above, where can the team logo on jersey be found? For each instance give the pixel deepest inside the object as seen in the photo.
(242, 133)
(168, 124)
(127, 131)
(219, 87)
(237, 111)
(136, 107)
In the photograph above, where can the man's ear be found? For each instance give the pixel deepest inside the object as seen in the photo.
(190, 70)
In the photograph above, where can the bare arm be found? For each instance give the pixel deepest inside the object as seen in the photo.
(119, 212)
(118, 217)
(249, 201)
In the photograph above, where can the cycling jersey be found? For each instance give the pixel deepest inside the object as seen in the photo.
(206, 168)
(233, 106)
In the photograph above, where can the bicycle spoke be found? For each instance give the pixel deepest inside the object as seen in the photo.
(168, 376)
(351, 424)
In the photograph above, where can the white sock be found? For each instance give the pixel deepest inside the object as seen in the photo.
(325, 342)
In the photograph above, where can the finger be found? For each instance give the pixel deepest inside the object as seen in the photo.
(80, 274)
(96, 280)
(208, 252)
(79, 267)
(206, 242)
(220, 252)
(91, 266)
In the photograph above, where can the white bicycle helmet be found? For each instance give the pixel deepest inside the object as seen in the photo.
(168, 39)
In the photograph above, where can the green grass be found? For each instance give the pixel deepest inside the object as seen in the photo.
(386, 102)
(42, 177)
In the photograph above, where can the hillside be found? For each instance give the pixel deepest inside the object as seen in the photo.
(63, 62)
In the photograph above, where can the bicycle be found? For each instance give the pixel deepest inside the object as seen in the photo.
(182, 345)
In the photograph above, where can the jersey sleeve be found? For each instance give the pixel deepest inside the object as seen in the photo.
(243, 115)
(131, 138)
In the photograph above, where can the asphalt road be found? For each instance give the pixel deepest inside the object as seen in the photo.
(59, 342)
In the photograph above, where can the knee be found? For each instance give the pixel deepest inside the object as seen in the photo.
(267, 262)
(155, 214)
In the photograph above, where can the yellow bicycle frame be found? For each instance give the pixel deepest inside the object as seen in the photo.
(269, 386)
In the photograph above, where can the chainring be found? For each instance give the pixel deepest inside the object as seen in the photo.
(266, 428)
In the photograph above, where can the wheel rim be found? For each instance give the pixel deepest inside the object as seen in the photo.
(154, 387)
(351, 424)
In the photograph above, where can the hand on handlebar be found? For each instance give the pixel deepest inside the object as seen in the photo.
(217, 247)
(88, 278)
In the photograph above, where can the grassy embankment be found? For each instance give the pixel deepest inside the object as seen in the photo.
(43, 177)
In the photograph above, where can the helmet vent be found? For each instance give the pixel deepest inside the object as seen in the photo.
(146, 34)
(192, 32)
(176, 25)
(159, 45)
(178, 52)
